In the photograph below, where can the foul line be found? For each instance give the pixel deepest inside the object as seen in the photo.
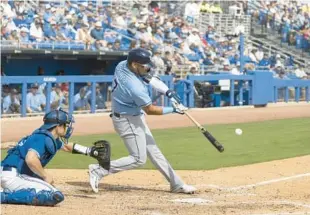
(284, 213)
(269, 182)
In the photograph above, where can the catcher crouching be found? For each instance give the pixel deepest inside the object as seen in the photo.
(23, 177)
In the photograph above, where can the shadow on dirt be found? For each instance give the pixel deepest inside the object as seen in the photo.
(111, 187)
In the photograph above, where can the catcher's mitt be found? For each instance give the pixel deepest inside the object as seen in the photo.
(102, 152)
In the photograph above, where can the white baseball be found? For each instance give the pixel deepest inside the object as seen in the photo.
(238, 131)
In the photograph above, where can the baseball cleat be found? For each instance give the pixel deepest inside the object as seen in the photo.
(187, 189)
(93, 177)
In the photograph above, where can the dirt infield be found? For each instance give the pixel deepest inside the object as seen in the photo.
(277, 187)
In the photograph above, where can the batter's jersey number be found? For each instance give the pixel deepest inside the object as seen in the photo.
(114, 85)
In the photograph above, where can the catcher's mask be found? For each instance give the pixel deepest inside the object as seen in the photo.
(59, 117)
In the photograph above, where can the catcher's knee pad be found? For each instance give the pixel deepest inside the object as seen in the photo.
(30, 197)
(23, 196)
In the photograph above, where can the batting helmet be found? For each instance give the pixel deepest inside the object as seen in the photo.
(139, 55)
(58, 117)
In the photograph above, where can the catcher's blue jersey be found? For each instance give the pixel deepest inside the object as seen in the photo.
(129, 91)
(41, 142)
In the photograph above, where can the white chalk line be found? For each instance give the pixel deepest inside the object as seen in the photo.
(282, 202)
(262, 183)
(283, 213)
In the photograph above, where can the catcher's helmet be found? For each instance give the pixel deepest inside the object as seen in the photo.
(139, 55)
(58, 117)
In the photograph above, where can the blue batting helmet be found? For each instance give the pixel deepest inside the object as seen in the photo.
(139, 55)
(58, 117)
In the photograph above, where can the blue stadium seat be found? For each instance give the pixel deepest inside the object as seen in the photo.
(61, 45)
(45, 45)
(77, 46)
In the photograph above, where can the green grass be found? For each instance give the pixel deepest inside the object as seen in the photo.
(186, 148)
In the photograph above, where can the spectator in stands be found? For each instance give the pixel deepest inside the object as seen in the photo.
(133, 44)
(50, 31)
(110, 46)
(226, 66)
(5, 91)
(194, 38)
(9, 23)
(99, 45)
(34, 101)
(81, 101)
(97, 33)
(193, 70)
(11, 103)
(40, 72)
(6, 8)
(36, 31)
(84, 36)
(100, 102)
(169, 47)
(159, 65)
(61, 32)
(117, 46)
(236, 69)
(48, 14)
(265, 62)
(14, 37)
(300, 72)
(259, 54)
(87, 89)
(235, 59)
(168, 63)
(191, 12)
(252, 56)
(58, 98)
(278, 60)
(18, 9)
(121, 19)
(24, 38)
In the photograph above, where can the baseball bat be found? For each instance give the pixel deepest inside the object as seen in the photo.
(206, 133)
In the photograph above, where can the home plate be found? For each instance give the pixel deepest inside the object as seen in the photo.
(193, 201)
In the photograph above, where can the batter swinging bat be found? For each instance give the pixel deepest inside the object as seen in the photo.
(207, 134)
(161, 87)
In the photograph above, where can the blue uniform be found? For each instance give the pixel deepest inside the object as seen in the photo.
(41, 142)
(23, 186)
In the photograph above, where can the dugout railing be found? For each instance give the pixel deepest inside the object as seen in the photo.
(256, 88)
(25, 81)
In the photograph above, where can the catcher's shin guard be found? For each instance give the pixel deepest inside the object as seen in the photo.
(30, 197)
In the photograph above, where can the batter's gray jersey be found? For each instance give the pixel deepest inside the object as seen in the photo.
(128, 97)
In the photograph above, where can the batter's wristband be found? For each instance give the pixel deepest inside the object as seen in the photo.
(167, 110)
(169, 94)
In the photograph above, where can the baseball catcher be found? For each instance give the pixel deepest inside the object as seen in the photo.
(24, 178)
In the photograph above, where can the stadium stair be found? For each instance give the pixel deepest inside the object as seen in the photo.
(268, 39)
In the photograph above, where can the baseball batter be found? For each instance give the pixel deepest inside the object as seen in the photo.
(23, 178)
(130, 99)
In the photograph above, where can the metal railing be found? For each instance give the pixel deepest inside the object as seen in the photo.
(224, 24)
(274, 48)
(72, 80)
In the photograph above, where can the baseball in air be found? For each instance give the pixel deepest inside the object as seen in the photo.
(238, 131)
